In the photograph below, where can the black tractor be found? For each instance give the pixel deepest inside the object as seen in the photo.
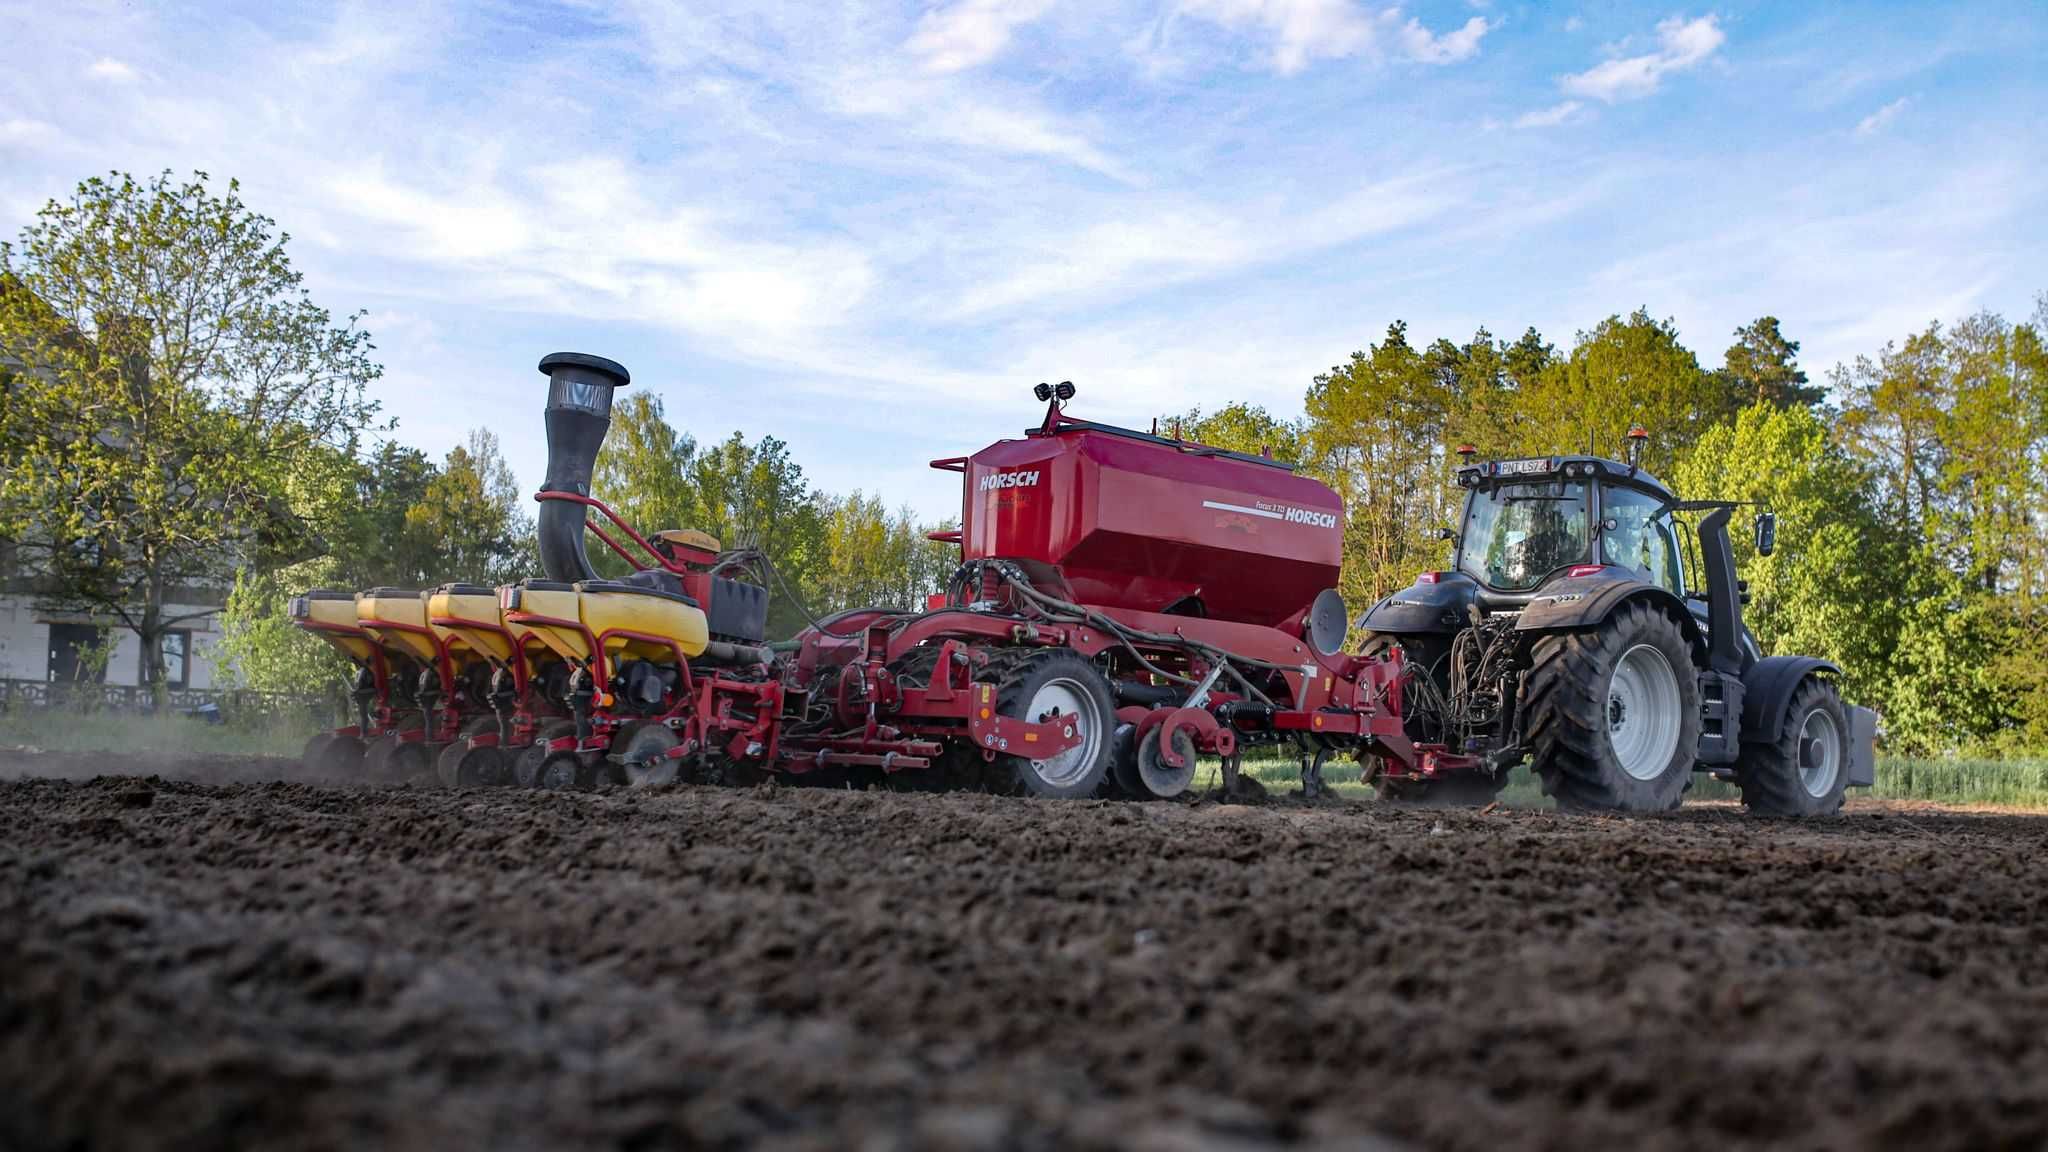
(1569, 632)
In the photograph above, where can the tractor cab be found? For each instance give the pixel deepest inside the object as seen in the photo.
(1526, 521)
(1531, 523)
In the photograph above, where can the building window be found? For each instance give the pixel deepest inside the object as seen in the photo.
(177, 659)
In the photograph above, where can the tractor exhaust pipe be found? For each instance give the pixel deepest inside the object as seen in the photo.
(578, 413)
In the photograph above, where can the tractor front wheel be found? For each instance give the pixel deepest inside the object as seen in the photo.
(1805, 771)
(1614, 713)
(1060, 685)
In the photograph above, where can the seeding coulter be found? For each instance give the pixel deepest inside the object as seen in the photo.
(1126, 605)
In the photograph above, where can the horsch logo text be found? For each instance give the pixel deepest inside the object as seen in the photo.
(995, 480)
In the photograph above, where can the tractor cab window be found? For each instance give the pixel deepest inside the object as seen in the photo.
(1641, 540)
(1517, 534)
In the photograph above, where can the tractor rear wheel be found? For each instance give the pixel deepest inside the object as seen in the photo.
(1805, 771)
(1613, 715)
(1060, 685)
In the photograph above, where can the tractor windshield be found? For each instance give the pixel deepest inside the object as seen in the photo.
(1517, 534)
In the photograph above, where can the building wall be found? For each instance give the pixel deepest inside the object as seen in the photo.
(25, 643)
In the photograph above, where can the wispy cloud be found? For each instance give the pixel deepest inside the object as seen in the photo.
(21, 130)
(967, 33)
(108, 68)
(1549, 117)
(1877, 121)
(1303, 31)
(1174, 244)
(1681, 46)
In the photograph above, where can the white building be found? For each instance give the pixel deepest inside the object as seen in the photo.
(38, 644)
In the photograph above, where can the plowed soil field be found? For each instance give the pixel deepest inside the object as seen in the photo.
(208, 958)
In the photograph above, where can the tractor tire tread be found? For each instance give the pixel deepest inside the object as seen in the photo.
(1020, 674)
(1767, 771)
(1564, 702)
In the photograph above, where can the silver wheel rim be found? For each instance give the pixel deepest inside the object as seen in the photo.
(1820, 733)
(1642, 712)
(1063, 697)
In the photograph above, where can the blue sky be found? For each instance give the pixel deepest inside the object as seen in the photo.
(870, 229)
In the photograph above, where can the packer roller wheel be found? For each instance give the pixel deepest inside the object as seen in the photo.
(640, 755)
(1161, 780)
(460, 766)
(526, 764)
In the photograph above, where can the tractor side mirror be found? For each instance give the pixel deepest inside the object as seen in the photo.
(1766, 533)
(1450, 534)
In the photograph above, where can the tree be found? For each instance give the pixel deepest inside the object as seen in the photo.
(755, 496)
(470, 520)
(1762, 367)
(261, 648)
(1527, 358)
(644, 471)
(1892, 418)
(366, 539)
(1626, 370)
(1375, 432)
(176, 385)
(872, 559)
(1238, 427)
(1829, 588)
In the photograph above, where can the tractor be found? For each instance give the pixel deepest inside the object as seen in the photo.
(1579, 629)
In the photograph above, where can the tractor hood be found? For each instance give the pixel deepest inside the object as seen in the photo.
(579, 411)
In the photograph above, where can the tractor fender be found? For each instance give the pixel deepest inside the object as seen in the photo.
(1767, 690)
(1576, 603)
(1423, 608)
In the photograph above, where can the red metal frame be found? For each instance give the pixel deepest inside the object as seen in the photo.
(517, 664)
(1342, 701)
(653, 553)
(444, 670)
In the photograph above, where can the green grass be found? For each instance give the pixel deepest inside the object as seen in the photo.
(1994, 783)
(2001, 783)
(64, 731)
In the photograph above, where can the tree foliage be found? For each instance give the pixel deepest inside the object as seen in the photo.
(173, 397)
